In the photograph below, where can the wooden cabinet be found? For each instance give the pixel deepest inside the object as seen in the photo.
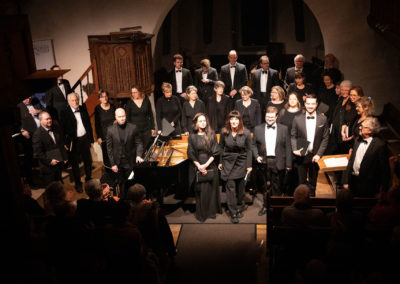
(123, 60)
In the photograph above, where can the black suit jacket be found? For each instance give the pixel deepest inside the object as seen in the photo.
(27, 121)
(254, 111)
(240, 78)
(69, 124)
(205, 90)
(374, 168)
(273, 80)
(321, 137)
(55, 100)
(283, 149)
(186, 80)
(46, 150)
(133, 145)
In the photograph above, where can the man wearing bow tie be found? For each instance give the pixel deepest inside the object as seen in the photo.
(48, 147)
(234, 76)
(56, 97)
(204, 79)
(264, 79)
(311, 127)
(272, 149)
(79, 138)
(180, 78)
(299, 61)
(368, 169)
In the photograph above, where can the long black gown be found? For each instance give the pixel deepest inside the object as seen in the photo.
(208, 200)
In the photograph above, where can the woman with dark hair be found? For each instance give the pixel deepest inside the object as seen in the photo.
(235, 162)
(169, 107)
(203, 173)
(300, 87)
(139, 112)
(104, 116)
(217, 107)
(249, 108)
(327, 94)
(190, 108)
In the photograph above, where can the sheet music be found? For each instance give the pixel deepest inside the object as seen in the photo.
(336, 162)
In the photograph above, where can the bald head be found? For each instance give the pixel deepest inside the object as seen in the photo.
(120, 116)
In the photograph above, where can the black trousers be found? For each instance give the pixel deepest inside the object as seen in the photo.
(306, 168)
(81, 151)
(122, 180)
(234, 194)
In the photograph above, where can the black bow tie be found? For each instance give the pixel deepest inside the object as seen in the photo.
(362, 141)
(270, 126)
(178, 71)
(264, 72)
(310, 117)
(233, 66)
(60, 83)
(77, 111)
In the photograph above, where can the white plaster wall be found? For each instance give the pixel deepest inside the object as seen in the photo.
(365, 57)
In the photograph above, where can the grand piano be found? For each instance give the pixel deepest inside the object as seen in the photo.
(165, 168)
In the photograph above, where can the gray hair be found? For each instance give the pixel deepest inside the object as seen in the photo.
(373, 123)
(190, 89)
(73, 94)
(346, 83)
(42, 113)
(299, 56)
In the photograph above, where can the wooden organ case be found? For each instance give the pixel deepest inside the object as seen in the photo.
(123, 60)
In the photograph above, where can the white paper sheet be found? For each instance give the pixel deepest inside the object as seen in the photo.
(336, 162)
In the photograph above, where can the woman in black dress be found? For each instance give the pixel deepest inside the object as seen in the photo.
(235, 162)
(190, 108)
(327, 94)
(248, 108)
(218, 107)
(285, 117)
(169, 107)
(277, 98)
(139, 112)
(203, 173)
(104, 116)
(300, 87)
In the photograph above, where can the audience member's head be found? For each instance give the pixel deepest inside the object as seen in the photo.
(301, 194)
(136, 193)
(344, 201)
(94, 189)
(56, 200)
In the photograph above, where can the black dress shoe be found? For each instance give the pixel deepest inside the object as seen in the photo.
(78, 188)
(262, 211)
(239, 214)
(234, 219)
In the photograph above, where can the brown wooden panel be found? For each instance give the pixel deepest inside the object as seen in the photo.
(124, 67)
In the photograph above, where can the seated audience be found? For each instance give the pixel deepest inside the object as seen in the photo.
(386, 214)
(300, 213)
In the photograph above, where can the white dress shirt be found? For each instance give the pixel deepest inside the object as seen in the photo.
(80, 129)
(178, 76)
(62, 88)
(51, 133)
(270, 139)
(232, 70)
(311, 125)
(263, 81)
(204, 75)
(362, 148)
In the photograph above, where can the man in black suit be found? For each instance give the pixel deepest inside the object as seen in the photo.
(204, 79)
(299, 61)
(29, 110)
(123, 146)
(368, 169)
(48, 147)
(56, 97)
(271, 147)
(180, 78)
(309, 139)
(79, 138)
(234, 76)
(264, 79)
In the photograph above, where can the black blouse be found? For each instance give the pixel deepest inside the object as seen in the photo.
(103, 119)
(168, 108)
(142, 116)
(188, 112)
(300, 92)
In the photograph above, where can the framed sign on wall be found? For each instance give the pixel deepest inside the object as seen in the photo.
(44, 54)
